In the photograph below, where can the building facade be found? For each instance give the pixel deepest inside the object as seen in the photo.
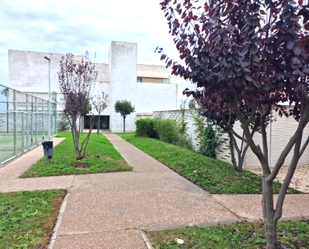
(148, 87)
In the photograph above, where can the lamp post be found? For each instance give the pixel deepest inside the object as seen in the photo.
(49, 98)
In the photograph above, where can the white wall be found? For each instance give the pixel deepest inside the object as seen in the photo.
(153, 71)
(28, 72)
(223, 152)
(156, 97)
(97, 89)
(123, 71)
(103, 72)
(279, 133)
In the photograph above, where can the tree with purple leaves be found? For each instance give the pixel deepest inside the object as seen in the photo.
(225, 120)
(75, 81)
(248, 59)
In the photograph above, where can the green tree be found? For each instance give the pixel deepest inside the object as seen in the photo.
(100, 103)
(124, 107)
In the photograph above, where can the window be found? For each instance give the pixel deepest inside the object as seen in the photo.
(153, 80)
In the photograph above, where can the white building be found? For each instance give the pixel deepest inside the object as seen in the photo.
(148, 87)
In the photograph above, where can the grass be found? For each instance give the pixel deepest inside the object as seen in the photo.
(291, 234)
(101, 157)
(214, 176)
(27, 218)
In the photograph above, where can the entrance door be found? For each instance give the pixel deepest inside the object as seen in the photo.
(104, 122)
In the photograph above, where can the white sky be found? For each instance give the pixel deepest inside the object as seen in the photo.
(62, 26)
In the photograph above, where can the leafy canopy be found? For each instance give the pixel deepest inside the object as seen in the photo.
(124, 107)
(247, 58)
(242, 53)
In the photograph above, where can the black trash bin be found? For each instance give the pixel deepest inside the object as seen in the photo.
(48, 149)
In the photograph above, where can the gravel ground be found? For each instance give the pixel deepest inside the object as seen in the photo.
(300, 180)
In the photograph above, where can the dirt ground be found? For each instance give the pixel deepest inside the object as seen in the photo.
(300, 180)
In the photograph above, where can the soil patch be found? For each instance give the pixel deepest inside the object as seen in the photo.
(81, 165)
(299, 180)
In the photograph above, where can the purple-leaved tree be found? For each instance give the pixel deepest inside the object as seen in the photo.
(75, 81)
(224, 119)
(248, 58)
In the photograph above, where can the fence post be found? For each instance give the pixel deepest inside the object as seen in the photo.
(15, 122)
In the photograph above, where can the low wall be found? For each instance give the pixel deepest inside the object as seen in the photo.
(223, 150)
(279, 133)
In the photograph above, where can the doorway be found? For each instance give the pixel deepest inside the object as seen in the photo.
(104, 122)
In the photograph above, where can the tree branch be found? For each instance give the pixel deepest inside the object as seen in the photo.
(296, 137)
(287, 180)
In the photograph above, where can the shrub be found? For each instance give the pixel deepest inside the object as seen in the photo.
(209, 142)
(207, 136)
(171, 131)
(166, 130)
(144, 128)
(62, 123)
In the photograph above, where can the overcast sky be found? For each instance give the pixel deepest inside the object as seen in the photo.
(62, 26)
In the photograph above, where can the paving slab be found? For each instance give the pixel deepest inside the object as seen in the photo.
(250, 207)
(139, 160)
(125, 239)
(120, 201)
(38, 183)
(115, 203)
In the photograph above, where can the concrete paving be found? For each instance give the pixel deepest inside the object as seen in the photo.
(110, 210)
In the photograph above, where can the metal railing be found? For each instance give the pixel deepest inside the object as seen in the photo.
(25, 122)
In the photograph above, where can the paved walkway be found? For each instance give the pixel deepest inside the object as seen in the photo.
(110, 210)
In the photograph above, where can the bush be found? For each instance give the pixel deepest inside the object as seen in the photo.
(207, 136)
(144, 128)
(171, 131)
(62, 123)
(166, 130)
(209, 142)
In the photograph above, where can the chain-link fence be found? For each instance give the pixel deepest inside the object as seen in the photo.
(25, 121)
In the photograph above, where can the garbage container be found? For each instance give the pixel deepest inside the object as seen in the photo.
(48, 149)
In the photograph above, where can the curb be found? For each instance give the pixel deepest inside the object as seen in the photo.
(146, 240)
(59, 219)
(207, 224)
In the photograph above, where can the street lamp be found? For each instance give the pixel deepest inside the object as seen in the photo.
(49, 98)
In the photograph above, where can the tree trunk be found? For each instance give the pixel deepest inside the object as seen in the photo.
(271, 233)
(77, 132)
(124, 124)
(98, 128)
(79, 155)
(241, 152)
(78, 152)
(269, 212)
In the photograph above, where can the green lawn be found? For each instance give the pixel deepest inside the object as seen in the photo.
(291, 234)
(27, 218)
(101, 157)
(214, 176)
